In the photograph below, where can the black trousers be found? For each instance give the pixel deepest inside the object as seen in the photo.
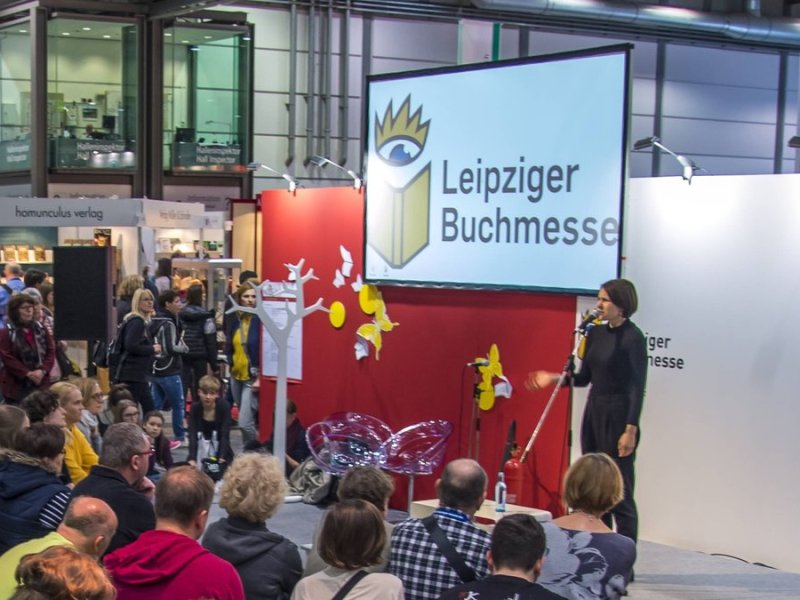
(141, 393)
(193, 370)
(604, 421)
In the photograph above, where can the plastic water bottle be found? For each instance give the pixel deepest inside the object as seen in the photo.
(500, 491)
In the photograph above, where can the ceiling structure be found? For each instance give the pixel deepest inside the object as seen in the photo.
(764, 24)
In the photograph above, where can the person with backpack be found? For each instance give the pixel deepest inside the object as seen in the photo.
(138, 349)
(200, 335)
(166, 385)
(13, 285)
(27, 351)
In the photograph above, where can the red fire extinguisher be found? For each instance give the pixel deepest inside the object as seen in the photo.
(514, 476)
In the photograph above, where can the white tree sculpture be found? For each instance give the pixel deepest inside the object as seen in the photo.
(295, 311)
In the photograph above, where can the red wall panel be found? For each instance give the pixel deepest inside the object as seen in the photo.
(421, 373)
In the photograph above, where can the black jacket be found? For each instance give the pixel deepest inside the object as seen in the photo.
(268, 563)
(134, 511)
(200, 333)
(137, 363)
(222, 426)
(166, 330)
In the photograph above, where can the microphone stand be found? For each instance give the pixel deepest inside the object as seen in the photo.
(476, 415)
(568, 368)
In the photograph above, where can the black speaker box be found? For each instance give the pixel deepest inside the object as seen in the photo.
(83, 292)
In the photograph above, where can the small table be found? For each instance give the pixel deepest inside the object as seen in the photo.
(486, 516)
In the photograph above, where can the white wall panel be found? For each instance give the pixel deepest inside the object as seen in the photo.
(720, 103)
(697, 137)
(721, 67)
(415, 40)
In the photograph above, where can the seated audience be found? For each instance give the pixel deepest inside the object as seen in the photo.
(416, 558)
(585, 559)
(88, 527)
(252, 491)
(12, 420)
(169, 562)
(352, 538)
(127, 411)
(161, 457)
(515, 558)
(89, 424)
(361, 483)
(296, 445)
(33, 499)
(209, 424)
(117, 393)
(120, 480)
(44, 407)
(62, 573)
(78, 454)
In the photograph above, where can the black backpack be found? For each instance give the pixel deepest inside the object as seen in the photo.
(110, 355)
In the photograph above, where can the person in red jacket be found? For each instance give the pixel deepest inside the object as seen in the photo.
(168, 562)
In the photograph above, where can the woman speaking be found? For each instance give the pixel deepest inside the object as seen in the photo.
(615, 363)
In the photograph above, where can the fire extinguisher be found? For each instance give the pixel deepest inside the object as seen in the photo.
(514, 476)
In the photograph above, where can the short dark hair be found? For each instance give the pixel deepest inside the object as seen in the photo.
(245, 275)
(121, 442)
(352, 535)
(34, 277)
(518, 542)
(11, 420)
(39, 404)
(164, 267)
(462, 485)
(366, 483)
(41, 440)
(118, 392)
(181, 493)
(166, 297)
(17, 300)
(622, 292)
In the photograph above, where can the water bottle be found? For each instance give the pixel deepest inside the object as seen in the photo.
(500, 493)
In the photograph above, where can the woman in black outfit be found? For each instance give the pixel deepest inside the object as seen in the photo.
(200, 335)
(210, 419)
(139, 349)
(615, 363)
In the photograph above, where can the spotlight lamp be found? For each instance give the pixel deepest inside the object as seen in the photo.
(688, 166)
(255, 166)
(794, 142)
(321, 161)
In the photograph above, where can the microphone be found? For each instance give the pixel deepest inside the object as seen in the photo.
(593, 314)
(483, 362)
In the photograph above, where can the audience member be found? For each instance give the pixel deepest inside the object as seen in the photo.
(419, 561)
(352, 538)
(107, 417)
(585, 559)
(12, 273)
(242, 343)
(163, 278)
(120, 480)
(252, 491)
(127, 288)
(515, 557)
(361, 483)
(169, 562)
(62, 573)
(32, 497)
(161, 457)
(34, 278)
(44, 407)
(127, 411)
(200, 335)
(88, 526)
(48, 298)
(78, 454)
(166, 384)
(27, 351)
(12, 420)
(209, 425)
(296, 445)
(89, 425)
(139, 349)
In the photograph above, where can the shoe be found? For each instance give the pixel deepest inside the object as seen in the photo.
(175, 444)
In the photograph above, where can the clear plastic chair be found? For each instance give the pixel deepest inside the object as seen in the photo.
(416, 450)
(347, 439)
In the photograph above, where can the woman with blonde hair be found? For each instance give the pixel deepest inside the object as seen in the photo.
(585, 559)
(252, 491)
(127, 288)
(89, 424)
(78, 454)
(138, 349)
(62, 573)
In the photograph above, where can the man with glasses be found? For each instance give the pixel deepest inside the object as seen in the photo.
(120, 481)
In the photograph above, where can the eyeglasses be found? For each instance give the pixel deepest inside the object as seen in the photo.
(148, 452)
